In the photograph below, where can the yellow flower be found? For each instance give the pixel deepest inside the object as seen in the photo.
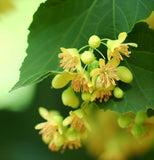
(80, 81)
(71, 59)
(77, 120)
(53, 124)
(57, 142)
(72, 139)
(115, 47)
(106, 73)
(102, 93)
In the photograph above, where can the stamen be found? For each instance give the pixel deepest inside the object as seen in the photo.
(79, 83)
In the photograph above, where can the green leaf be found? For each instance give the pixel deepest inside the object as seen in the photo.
(69, 23)
(139, 95)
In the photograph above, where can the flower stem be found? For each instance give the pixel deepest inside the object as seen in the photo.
(85, 66)
(100, 53)
(104, 43)
(83, 47)
(104, 39)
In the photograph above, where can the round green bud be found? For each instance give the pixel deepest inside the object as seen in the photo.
(59, 139)
(87, 57)
(72, 134)
(93, 65)
(69, 98)
(58, 119)
(124, 74)
(124, 121)
(139, 130)
(61, 80)
(94, 41)
(140, 117)
(118, 93)
(86, 96)
(46, 139)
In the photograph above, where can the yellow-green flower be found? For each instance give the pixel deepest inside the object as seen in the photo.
(71, 59)
(77, 120)
(117, 47)
(102, 93)
(72, 139)
(52, 125)
(57, 142)
(106, 74)
(80, 81)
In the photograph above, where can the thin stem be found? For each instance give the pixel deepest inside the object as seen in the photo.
(83, 47)
(104, 39)
(100, 53)
(104, 43)
(85, 66)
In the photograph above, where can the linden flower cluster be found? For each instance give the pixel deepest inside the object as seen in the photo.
(94, 79)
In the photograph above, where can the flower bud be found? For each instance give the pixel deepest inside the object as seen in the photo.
(139, 130)
(124, 74)
(72, 134)
(46, 139)
(118, 93)
(87, 57)
(140, 117)
(86, 96)
(61, 80)
(93, 65)
(94, 41)
(124, 121)
(58, 140)
(69, 98)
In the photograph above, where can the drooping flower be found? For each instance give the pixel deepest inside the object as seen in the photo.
(52, 125)
(71, 59)
(80, 81)
(106, 74)
(102, 93)
(57, 142)
(77, 120)
(117, 47)
(72, 139)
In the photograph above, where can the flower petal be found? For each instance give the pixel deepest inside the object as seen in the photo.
(122, 36)
(67, 120)
(132, 44)
(44, 113)
(114, 62)
(40, 125)
(101, 62)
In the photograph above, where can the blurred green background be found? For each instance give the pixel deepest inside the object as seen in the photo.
(19, 140)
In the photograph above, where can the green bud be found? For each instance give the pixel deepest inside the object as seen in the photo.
(140, 117)
(93, 65)
(59, 139)
(61, 80)
(86, 96)
(72, 134)
(118, 93)
(87, 57)
(46, 139)
(94, 41)
(58, 119)
(139, 130)
(124, 121)
(124, 74)
(69, 98)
